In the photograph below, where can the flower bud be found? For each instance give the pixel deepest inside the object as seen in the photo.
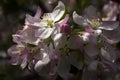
(65, 28)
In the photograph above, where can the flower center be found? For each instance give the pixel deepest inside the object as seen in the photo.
(50, 23)
(32, 48)
(64, 51)
(20, 49)
(95, 23)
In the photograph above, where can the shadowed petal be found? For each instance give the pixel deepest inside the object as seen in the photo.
(109, 25)
(41, 63)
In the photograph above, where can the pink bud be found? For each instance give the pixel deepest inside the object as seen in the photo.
(65, 28)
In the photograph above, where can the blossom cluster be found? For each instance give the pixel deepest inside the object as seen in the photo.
(51, 46)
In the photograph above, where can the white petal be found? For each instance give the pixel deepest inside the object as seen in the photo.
(44, 33)
(109, 25)
(85, 36)
(60, 40)
(98, 32)
(41, 63)
(78, 19)
(24, 63)
(58, 11)
(40, 24)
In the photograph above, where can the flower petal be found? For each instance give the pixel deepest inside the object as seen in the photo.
(78, 19)
(38, 13)
(75, 42)
(41, 63)
(58, 11)
(113, 35)
(44, 33)
(109, 25)
(92, 50)
(75, 59)
(109, 53)
(30, 20)
(90, 12)
(60, 40)
(63, 67)
(65, 20)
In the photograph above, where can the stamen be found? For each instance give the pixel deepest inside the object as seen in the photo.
(95, 22)
(64, 51)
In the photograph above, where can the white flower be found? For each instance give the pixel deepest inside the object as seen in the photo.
(93, 21)
(49, 22)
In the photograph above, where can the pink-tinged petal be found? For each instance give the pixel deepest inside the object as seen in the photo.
(111, 9)
(15, 60)
(88, 29)
(27, 35)
(38, 13)
(12, 50)
(78, 19)
(109, 25)
(85, 37)
(53, 68)
(24, 58)
(18, 55)
(65, 20)
(18, 37)
(30, 20)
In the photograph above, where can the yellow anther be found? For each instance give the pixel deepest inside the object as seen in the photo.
(34, 50)
(50, 23)
(95, 23)
(65, 51)
(20, 49)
